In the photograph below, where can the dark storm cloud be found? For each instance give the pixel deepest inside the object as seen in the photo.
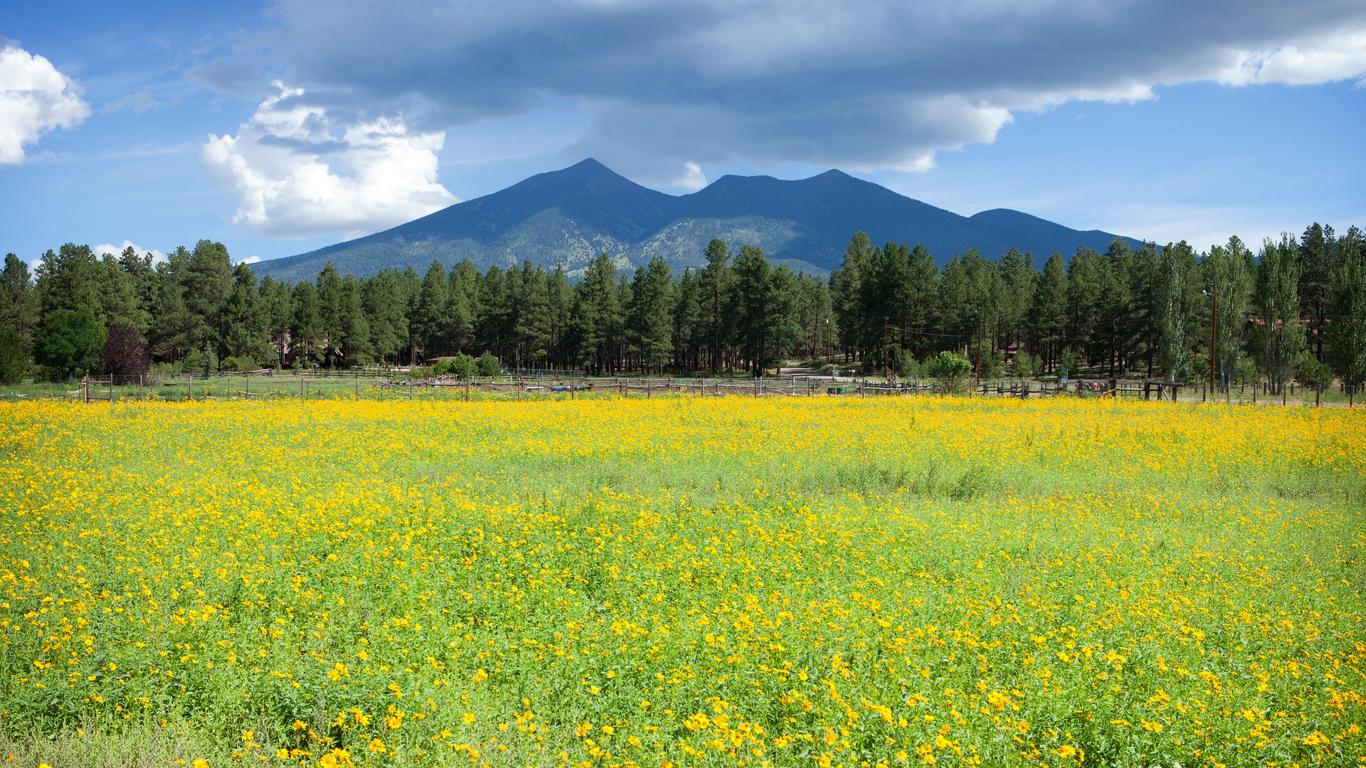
(860, 84)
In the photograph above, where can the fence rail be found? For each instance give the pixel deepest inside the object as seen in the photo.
(395, 384)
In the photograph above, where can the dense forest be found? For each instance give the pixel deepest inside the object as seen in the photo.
(1295, 309)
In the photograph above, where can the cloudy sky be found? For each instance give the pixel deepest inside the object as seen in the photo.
(278, 127)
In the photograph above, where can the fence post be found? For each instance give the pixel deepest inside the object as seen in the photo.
(111, 389)
(301, 387)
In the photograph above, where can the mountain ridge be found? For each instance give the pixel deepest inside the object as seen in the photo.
(568, 216)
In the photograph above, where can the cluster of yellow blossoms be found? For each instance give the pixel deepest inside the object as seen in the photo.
(684, 582)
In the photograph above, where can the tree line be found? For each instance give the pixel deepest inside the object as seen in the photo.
(1294, 309)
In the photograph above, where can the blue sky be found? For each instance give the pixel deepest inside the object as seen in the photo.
(280, 127)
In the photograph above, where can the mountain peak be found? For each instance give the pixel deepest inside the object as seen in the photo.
(566, 216)
(588, 166)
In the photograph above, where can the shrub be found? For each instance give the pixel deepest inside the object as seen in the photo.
(1026, 366)
(488, 365)
(1067, 362)
(1311, 373)
(906, 364)
(464, 366)
(950, 371)
(239, 363)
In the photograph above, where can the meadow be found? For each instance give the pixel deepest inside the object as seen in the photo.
(682, 582)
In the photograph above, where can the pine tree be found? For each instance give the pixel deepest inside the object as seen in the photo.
(652, 314)
(244, 332)
(1346, 313)
(431, 319)
(18, 302)
(596, 316)
(207, 277)
(713, 286)
(306, 326)
(847, 294)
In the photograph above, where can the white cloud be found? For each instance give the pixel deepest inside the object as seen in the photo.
(34, 98)
(298, 171)
(109, 249)
(1336, 56)
(692, 179)
(249, 260)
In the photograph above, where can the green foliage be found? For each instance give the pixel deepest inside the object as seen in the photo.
(1067, 362)
(989, 364)
(907, 365)
(1346, 334)
(69, 342)
(1123, 312)
(1311, 373)
(1245, 370)
(463, 366)
(950, 371)
(1278, 336)
(488, 365)
(238, 364)
(14, 359)
(1026, 366)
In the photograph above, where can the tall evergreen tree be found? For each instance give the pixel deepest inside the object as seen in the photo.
(207, 277)
(597, 316)
(431, 319)
(652, 312)
(1048, 312)
(847, 294)
(713, 286)
(1346, 315)
(307, 338)
(244, 331)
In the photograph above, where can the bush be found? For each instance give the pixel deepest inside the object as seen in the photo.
(1311, 373)
(464, 366)
(906, 364)
(1026, 366)
(950, 370)
(989, 365)
(1245, 370)
(441, 367)
(1067, 362)
(238, 364)
(488, 365)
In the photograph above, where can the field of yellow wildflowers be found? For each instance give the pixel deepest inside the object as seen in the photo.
(686, 582)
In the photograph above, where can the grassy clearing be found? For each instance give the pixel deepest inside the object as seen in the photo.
(698, 582)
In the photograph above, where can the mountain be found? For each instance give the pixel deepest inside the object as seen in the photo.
(567, 217)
